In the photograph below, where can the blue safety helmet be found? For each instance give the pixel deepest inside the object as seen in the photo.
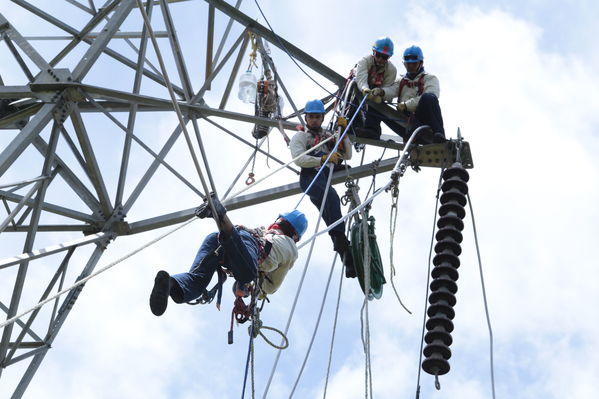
(297, 220)
(314, 107)
(413, 54)
(383, 45)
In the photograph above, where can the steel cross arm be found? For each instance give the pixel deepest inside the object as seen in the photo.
(156, 104)
(15, 92)
(278, 41)
(39, 253)
(153, 103)
(93, 35)
(85, 228)
(259, 197)
(59, 210)
(117, 56)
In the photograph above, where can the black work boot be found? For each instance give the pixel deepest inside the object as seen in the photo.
(348, 261)
(341, 246)
(205, 211)
(439, 138)
(160, 293)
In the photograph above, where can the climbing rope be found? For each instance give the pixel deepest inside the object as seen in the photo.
(282, 167)
(482, 282)
(300, 285)
(320, 311)
(364, 315)
(101, 270)
(326, 381)
(392, 228)
(330, 153)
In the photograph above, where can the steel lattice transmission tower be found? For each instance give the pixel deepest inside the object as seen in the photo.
(80, 146)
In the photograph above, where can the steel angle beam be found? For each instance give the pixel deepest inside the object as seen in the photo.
(279, 42)
(259, 197)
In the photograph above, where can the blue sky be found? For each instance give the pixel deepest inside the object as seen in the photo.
(517, 78)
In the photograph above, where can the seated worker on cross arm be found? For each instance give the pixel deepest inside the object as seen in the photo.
(246, 253)
(418, 99)
(374, 77)
(310, 165)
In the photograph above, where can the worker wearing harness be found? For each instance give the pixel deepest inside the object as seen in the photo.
(374, 76)
(418, 97)
(311, 163)
(243, 252)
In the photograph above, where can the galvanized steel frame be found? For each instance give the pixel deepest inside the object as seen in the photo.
(61, 94)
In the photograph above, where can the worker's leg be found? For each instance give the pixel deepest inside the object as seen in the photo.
(241, 255)
(428, 112)
(192, 284)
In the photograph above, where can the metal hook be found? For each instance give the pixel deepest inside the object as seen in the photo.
(250, 180)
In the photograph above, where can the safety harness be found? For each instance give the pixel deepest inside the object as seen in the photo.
(411, 83)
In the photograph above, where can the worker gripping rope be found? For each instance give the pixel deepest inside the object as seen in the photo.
(311, 163)
(243, 252)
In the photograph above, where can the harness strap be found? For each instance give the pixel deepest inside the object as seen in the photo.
(410, 83)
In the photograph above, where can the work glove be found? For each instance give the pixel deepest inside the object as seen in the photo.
(377, 92)
(401, 107)
(336, 158)
(365, 91)
(204, 211)
(342, 121)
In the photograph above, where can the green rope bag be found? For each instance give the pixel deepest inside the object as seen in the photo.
(358, 248)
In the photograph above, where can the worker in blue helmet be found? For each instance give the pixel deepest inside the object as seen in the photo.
(418, 99)
(261, 254)
(374, 75)
(310, 164)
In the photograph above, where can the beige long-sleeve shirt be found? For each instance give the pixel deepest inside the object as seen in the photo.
(302, 141)
(409, 93)
(279, 261)
(364, 80)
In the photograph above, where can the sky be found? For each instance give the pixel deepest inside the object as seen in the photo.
(516, 78)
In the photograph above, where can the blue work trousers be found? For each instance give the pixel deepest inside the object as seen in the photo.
(332, 208)
(239, 253)
(428, 112)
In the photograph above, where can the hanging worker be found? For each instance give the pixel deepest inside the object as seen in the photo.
(374, 76)
(311, 163)
(246, 253)
(418, 99)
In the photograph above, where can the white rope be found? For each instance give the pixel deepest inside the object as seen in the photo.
(326, 381)
(281, 167)
(301, 283)
(347, 216)
(392, 228)
(482, 283)
(364, 319)
(326, 291)
(86, 279)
